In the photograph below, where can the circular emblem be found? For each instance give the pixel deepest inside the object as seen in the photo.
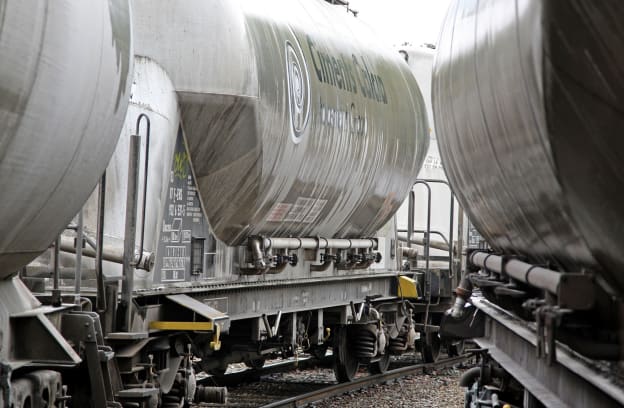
(298, 91)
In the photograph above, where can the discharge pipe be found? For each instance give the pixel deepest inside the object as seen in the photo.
(536, 276)
(109, 253)
(319, 243)
(410, 253)
(463, 293)
(418, 240)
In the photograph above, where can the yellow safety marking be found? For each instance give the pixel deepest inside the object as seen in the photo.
(182, 326)
(215, 344)
(407, 288)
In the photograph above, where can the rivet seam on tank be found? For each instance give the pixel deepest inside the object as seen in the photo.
(298, 91)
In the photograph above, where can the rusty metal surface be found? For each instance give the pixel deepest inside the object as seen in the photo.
(306, 125)
(527, 100)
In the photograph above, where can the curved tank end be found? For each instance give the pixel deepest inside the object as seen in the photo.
(65, 84)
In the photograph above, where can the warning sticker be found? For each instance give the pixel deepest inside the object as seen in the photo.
(315, 211)
(300, 209)
(278, 212)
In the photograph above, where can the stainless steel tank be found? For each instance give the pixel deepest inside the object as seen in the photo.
(528, 100)
(298, 122)
(64, 85)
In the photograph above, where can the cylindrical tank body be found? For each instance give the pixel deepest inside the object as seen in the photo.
(528, 100)
(64, 81)
(298, 122)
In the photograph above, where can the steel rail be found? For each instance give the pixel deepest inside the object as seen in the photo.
(249, 374)
(364, 382)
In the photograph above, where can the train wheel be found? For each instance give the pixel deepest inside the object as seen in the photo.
(345, 362)
(380, 366)
(430, 347)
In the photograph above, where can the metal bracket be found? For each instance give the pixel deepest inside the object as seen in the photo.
(357, 314)
(548, 319)
(215, 344)
(576, 291)
(483, 282)
(54, 347)
(84, 328)
(5, 381)
(183, 316)
(470, 324)
(272, 330)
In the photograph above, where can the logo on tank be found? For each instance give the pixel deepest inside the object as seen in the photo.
(298, 83)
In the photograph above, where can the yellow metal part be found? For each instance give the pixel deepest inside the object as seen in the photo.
(407, 288)
(327, 334)
(215, 344)
(182, 326)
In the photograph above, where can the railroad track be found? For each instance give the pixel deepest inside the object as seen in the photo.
(365, 382)
(251, 374)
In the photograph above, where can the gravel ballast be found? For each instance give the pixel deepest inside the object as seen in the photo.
(435, 389)
(439, 389)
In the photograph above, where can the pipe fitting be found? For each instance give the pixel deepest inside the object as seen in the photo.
(409, 253)
(463, 293)
(257, 253)
(458, 308)
(469, 377)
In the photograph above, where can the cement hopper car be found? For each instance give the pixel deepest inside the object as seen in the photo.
(528, 98)
(64, 81)
(296, 123)
(528, 114)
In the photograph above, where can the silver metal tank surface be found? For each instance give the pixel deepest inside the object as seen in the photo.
(298, 122)
(64, 85)
(528, 99)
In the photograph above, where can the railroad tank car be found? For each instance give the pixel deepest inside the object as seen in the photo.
(282, 132)
(238, 218)
(527, 103)
(64, 78)
(65, 71)
(532, 180)
(232, 118)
